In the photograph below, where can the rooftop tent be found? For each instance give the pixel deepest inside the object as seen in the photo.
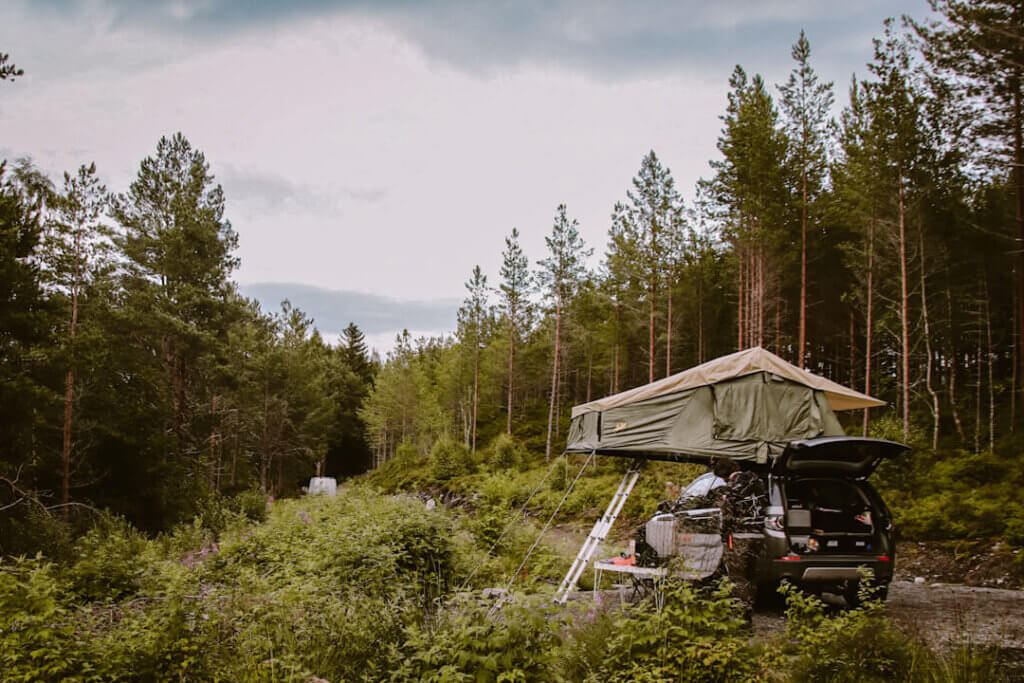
(746, 406)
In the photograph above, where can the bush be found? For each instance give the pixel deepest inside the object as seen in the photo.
(251, 504)
(407, 451)
(109, 562)
(463, 644)
(449, 459)
(36, 642)
(505, 453)
(855, 645)
(695, 637)
(28, 529)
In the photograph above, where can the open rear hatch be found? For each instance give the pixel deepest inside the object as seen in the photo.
(835, 456)
(830, 509)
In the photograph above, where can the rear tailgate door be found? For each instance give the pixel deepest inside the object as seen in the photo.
(836, 456)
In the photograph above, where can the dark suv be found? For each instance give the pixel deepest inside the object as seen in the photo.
(822, 520)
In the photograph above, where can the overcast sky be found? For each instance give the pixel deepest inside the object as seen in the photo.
(385, 147)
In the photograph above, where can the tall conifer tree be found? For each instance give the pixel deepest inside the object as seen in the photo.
(806, 103)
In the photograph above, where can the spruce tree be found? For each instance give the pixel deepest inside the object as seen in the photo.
(354, 350)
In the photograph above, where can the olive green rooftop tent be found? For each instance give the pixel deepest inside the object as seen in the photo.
(745, 406)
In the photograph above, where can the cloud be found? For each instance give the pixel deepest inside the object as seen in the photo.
(270, 193)
(599, 36)
(375, 315)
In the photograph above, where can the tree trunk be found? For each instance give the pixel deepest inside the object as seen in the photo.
(554, 375)
(760, 295)
(801, 346)
(1018, 181)
(870, 321)
(936, 416)
(476, 387)
(618, 328)
(741, 299)
(853, 347)
(953, 360)
(700, 313)
(991, 382)
(590, 372)
(212, 464)
(69, 383)
(977, 394)
(650, 346)
(668, 331)
(778, 320)
(904, 305)
(511, 359)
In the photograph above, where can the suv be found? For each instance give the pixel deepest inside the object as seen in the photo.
(822, 523)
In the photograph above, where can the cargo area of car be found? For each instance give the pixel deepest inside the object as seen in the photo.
(829, 515)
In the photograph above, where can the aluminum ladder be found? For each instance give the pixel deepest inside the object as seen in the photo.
(598, 534)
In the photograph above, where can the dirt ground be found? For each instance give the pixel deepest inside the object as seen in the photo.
(943, 614)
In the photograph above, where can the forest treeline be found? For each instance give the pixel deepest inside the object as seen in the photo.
(881, 249)
(135, 377)
(877, 243)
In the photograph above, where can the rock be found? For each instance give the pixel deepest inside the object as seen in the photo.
(919, 580)
(936, 585)
(431, 504)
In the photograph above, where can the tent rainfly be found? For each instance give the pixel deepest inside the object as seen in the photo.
(746, 406)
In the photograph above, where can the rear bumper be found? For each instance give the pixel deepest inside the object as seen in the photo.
(827, 570)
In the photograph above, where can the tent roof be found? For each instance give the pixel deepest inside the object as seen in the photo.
(737, 364)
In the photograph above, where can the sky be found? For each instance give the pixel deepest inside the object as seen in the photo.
(372, 153)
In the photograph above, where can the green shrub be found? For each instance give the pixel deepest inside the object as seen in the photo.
(695, 637)
(36, 641)
(449, 458)
(27, 529)
(505, 453)
(108, 560)
(407, 451)
(855, 645)
(252, 504)
(463, 644)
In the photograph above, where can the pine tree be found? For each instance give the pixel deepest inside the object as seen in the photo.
(77, 251)
(177, 251)
(516, 283)
(979, 45)
(23, 316)
(472, 327)
(654, 214)
(9, 71)
(806, 104)
(894, 105)
(750, 188)
(559, 276)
